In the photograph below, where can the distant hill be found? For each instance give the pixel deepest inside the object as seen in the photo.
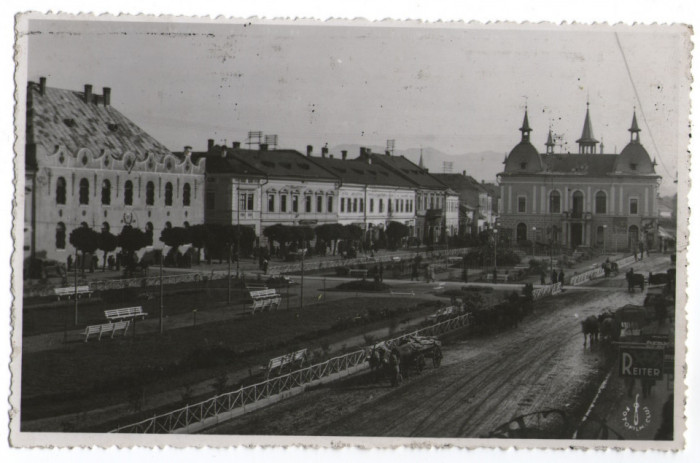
(483, 165)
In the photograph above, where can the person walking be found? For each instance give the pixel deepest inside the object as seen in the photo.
(561, 277)
(554, 277)
(641, 250)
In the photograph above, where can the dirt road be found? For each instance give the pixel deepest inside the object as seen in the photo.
(483, 382)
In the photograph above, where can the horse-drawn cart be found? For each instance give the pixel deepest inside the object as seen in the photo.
(401, 358)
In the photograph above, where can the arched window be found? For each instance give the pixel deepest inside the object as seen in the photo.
(150, 193)
(186, 194)
(168, 224)
(128, 193)
(105, 227)
(554, 202)
(149, 227)
(521, 232)
(60, 235)
(106, 192)
(84, 191)
(601, 203)
(61, 190)
(168, 194)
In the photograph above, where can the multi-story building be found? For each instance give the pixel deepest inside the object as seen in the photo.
(586, 199)
(86, 163)
(474, 200)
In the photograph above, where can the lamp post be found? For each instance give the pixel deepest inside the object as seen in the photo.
(160, 319)
(75, 283)
(534, 231)
(495, 244)
(228, 298)
(605, 228)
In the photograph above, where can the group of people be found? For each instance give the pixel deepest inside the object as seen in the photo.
(640, 246)
(555, 277)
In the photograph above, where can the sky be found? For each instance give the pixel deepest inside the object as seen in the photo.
(453, 87)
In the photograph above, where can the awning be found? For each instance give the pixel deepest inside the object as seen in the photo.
(663, 233)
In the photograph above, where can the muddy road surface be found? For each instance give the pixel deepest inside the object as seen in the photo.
(483, 382)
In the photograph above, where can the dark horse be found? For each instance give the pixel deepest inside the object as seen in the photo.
(609, 327)
(634, 279)
(590, 327)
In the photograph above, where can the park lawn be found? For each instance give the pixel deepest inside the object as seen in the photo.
(82, 376)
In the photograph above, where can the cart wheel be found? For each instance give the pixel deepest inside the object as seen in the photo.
(437, 357)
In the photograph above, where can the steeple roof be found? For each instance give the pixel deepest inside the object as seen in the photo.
(587, 134)
(635, 127)
(550, 140)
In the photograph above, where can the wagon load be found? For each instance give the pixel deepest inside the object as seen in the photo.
(414, 349)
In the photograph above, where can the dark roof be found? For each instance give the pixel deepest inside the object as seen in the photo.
(408, 170)
(460, 182)
(63, 118)
(523, 158)
(592, 165)
(359, 171)
(587, 133)
(634, 159)
(218, 164)
(281, 163)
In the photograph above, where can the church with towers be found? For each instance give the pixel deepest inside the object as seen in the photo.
(588, 199)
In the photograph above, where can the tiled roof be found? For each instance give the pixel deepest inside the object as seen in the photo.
(281, 163)
(62, 118)
(460, 182)
(360, 172)
(593, 165)
(419, 177)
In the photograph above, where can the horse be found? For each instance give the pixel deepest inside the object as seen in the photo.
(378, 359)
(634, 279)
(590, 327)
(609, 327)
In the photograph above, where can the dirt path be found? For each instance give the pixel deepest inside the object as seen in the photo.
(483, 382)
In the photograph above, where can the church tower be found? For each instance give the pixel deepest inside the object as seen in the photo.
(587, 143)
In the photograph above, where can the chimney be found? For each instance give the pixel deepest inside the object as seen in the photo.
(324, 152)
(42, 85)
(188, 150)
(236, 145)
(263, 146)
(106, 95)
(88, 93)
(345, 154)
(309, 150)
(210, 144)
(363, 151)
(387, 152)
(331, 156)
(464, 172)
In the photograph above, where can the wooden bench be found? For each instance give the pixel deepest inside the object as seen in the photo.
(70, 291)
(125, 313)
(265, 299)
(362, 272)
(287, 359)
(106, 328)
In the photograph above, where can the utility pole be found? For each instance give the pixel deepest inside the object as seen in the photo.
(495, 244)
(160, 320)
(228, 298)
(238, 236)
(75, 284)
(301, 301)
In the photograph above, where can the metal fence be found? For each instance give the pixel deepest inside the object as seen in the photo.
(598, 272)
(539, 293)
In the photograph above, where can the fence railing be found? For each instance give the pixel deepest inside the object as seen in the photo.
(539, 293)
(598, 272)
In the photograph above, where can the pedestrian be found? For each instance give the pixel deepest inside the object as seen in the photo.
(265, 265)
(381, 272)
(634, 250)
(561, 277)
(554, 277)
(427, 274)
(414, 271)
(69, 262)
(641, 250)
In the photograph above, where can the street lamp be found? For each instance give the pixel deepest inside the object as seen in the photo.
(160, 318)
(495, 243)
(534, 231)
(605, 227)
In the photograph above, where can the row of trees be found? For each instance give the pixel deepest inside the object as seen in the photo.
(88, 241)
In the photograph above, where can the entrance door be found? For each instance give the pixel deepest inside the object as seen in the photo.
(576, 235)
(633, 237)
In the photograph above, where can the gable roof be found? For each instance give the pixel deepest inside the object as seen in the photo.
(408, 170)
(62, 118)
(361, 172)
(459, 182)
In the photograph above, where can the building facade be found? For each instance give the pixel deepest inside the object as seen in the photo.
(87, 164)
(586, 199)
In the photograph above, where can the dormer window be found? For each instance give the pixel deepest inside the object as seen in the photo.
(633, 166)
(523, 165)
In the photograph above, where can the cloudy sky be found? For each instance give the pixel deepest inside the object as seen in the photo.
(456, 88)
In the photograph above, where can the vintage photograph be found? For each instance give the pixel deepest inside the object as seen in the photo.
(376, 233)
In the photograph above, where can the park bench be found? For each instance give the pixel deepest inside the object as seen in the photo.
(125, 313)
(455, 260)
(70, 291)
(358, 272)
(106, 328)
(280, 362)
(265, 299)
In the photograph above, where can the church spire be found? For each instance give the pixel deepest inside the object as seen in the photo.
(587, 143)
(634, 129)
(420, 161)
(550, 142)
(525, 129)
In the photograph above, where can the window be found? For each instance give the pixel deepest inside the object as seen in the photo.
(186, 194)
(60, 235)
(150, 193)
(61, 190)
(521, 232)
(105, 227)
(342, 204)
(84, 192)
(554, 202)
(210, 200)
(270, 202)
(601, 203)
(283, 203)
(634, 206)
(633, 166)
(128, 193)
(168, 194)
(522, 204)
(106, 192)
(362, 205)
(371, 204)
(250, 201)
(307, 204)
(319, 203)
(330, 204)
(381, 205)
(295, 203)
